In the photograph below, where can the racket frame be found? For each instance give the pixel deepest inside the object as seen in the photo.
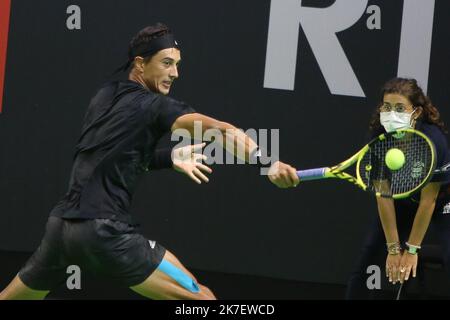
(337, 171)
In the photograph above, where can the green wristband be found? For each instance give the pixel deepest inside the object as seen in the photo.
(412, 249)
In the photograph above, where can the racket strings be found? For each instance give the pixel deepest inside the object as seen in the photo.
(418, 161)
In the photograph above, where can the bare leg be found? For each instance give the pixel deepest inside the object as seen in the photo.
(17, 290)
(162, 287)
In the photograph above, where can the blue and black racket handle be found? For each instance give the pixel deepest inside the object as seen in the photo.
(312, 174)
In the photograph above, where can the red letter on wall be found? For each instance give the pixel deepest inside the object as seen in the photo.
(5, 6)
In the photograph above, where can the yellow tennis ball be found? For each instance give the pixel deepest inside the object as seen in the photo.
(395, 159)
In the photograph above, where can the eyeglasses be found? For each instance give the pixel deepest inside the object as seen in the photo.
(399, 107)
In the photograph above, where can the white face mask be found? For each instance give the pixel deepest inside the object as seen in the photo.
(392, 120)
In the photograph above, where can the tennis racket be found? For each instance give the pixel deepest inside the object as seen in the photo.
(372, 173)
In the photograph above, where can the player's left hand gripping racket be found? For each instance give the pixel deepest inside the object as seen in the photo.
(372, 173)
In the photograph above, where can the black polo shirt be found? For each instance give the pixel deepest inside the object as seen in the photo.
(122, 126)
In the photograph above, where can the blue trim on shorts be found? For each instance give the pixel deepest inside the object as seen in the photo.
(179, 276)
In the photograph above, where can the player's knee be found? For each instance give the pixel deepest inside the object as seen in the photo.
(206, 293)
(203, 293)
(194, 290)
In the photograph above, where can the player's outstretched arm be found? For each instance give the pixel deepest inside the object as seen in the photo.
(243, 146)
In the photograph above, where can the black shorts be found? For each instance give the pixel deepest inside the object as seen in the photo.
(102, 247)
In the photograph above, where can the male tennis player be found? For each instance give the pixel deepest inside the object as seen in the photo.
(92, 227)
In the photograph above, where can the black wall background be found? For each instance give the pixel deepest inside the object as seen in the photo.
(238, 222)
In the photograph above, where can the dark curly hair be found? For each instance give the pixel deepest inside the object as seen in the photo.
(145, 36)
(411, 90)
